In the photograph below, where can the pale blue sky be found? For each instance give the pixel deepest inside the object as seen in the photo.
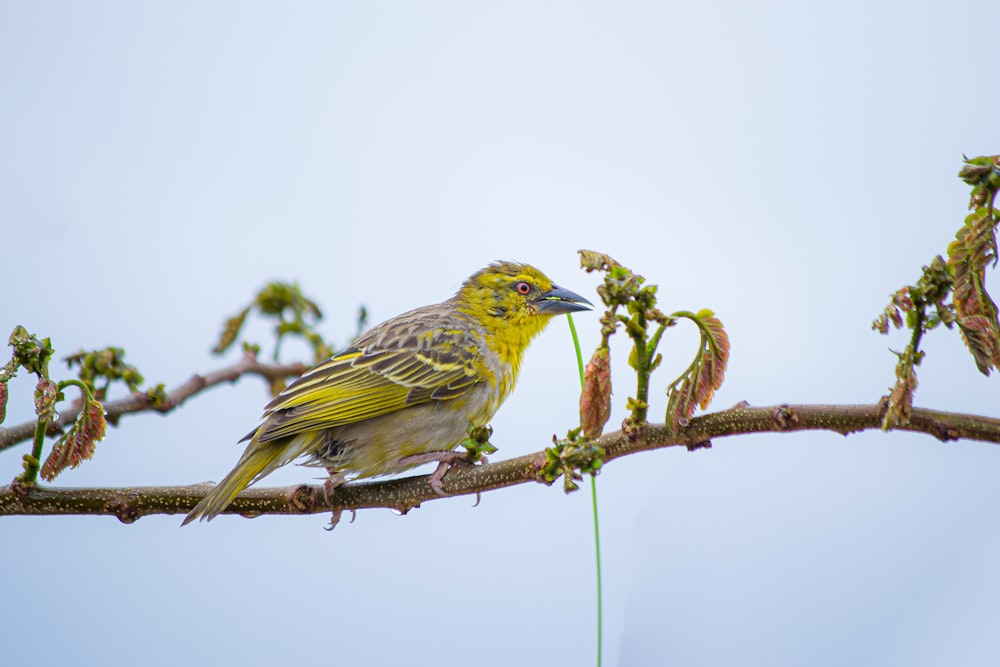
(786, 164)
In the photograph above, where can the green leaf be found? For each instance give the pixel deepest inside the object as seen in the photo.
(294, 315)
(591, 260)
(30, 353)
(108, 365)
(231, 331)
(983, 174)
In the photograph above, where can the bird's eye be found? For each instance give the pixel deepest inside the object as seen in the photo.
(523, 287)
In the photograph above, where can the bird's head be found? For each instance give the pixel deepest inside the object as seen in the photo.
(511, 295)
(512, 303)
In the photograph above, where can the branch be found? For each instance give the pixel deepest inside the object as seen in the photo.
(129, 504)
(150, 402)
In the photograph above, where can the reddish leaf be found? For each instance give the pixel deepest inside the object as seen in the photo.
(77, 444)
(696, 387)
(982, 340)
(969, 254)
(595, 400)
(715, 343)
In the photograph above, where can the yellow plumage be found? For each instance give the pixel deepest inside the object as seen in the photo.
(409, 386)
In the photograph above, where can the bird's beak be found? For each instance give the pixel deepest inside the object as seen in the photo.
(558, 301)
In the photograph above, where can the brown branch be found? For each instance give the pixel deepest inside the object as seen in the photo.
(128, 504)
(145, 402)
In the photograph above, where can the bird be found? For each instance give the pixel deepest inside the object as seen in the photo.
(408, 390)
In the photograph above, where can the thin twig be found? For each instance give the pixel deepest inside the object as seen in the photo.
(129, 504)
(144, 402)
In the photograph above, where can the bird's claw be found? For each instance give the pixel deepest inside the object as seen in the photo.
(445, 459)
(329, 485)
(335, 518)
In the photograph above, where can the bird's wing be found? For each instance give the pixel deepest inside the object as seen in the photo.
(373, 379)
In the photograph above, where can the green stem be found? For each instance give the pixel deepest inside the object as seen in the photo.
(641, 369)
(654, 341)
(597, 554)
(576, 346)
(88, 396)
(918, 332)
(593, 496)
(31, 464)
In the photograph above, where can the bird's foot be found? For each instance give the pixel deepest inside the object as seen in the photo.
(335, 479)
(445, 461)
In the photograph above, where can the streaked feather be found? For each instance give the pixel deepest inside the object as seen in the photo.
(372, 378)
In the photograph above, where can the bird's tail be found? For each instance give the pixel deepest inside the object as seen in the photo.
(258, 460)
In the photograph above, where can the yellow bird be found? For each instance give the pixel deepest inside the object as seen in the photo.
(405, 392)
